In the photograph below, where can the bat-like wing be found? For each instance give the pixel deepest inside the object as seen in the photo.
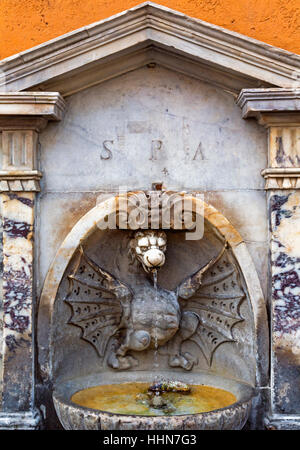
(214, 293)
(100, 302)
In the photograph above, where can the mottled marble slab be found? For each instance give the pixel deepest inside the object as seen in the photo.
(285, 273)
(18, 221)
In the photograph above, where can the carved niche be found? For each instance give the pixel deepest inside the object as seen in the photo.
(120, 317)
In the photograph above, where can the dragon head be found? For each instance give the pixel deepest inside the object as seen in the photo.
(149, 248)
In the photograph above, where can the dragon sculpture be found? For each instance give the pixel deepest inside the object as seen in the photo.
(203, 309)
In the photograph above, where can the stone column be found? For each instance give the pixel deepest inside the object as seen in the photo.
(22, 117)
(279, 111)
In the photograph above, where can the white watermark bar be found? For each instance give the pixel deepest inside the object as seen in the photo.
(166, 210)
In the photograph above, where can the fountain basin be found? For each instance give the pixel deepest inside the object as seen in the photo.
(75, 417)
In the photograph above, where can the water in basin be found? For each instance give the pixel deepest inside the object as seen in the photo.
(125, 398)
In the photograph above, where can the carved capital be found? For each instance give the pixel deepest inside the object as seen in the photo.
(22, 116)
(15, 123)
(18, 181)
(277, 109)
(282, 178)
(19, 161)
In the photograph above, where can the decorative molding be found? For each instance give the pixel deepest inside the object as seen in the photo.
(279, 110)
(49, 105)
(19, 149)
(283, 119)
(150, 55)
(17, 123)
(149, 26)
(282, 178)
(268, 100)
(18, 181)
(271, 107)
(22, 116)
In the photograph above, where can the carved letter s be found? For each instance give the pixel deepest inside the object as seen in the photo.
(108, 154)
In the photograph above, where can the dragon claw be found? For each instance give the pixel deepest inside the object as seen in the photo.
(185, 361)
(121, 362)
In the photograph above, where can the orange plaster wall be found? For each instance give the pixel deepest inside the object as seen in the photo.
(26, 23)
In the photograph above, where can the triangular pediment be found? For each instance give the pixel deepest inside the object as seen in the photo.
(149, 34)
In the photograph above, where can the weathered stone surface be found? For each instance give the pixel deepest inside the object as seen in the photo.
(284, 144)
(83, 231)
(153, 125)
(139, 127)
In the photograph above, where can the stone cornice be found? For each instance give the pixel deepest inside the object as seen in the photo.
(268, 100)
(272, 106)
(282, 178)
(49, 105)
(159, 27)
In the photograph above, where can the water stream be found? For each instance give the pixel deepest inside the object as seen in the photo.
(155, 362)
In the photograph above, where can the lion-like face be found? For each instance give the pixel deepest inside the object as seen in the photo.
(149, 248)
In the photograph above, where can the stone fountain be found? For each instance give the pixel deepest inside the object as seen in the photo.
(144, 104)
(134, 306)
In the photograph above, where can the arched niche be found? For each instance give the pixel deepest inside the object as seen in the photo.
(61, 352)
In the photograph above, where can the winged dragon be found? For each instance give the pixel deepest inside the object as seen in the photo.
(203, 308)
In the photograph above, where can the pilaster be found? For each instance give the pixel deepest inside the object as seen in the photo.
(22, 117)
(279, 111)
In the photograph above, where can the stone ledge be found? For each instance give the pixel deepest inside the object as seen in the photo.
(271, 106)
(50, 105)
(29, 420)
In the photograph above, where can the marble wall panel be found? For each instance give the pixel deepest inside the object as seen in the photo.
(18, 220)
(284, 145)
(1, 304)
(285, 272)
